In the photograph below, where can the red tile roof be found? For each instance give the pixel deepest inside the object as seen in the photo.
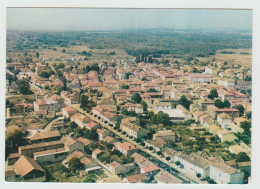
(150, 168)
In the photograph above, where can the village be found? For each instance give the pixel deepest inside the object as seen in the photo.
(104, 116)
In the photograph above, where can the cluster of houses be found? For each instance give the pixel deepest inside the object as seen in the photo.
(160, 88)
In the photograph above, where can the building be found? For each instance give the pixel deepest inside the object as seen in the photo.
(200, 78)
(45, 137)
(68, 111)
(226, 82)
(150, 170)
(137, 108)
(47, 104)
(43, 146)
(157, 144)
(164, 177)
(194, 164)
(226, 135)
(160, 106)
(139, 178)
(26, 169)
(224, 120)
(80, 119)
(126, 148)
(225, 174)
(167, 135)
(204, 103)
(133, 130)
(118, 168)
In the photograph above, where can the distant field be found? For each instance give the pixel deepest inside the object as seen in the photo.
(238, 56)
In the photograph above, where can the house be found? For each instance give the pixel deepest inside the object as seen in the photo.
(80, 119)
(150, 170)
(102, 133)
(204, 103)
(91, 125)
(72, 98)
(28, 150)
(26, 169)
(90, 165)
(178, 114)
(86, 142)
(96, 153)
(214, 111)
(226, 82)
(224, 120)
(199, 78)
(157, 144)
(104, 115)
(12, 158)
(194, 164)
(164, 177)
(139, 159)
(132, 129)
(138, 178)
(225, 174)
(72, 144)
(168, 152)
(110, 140)
(226, 135)
(117, 168)
(167, 135)
(126, 148)
(137, 108)
(46, 136)
(52, 155)
(160, 106)
(68, 111)
(46, 104)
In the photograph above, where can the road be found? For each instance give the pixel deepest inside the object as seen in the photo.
(182, 174)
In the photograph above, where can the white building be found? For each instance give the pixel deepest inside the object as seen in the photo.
(199, 78)
(224, 120)
(226, 82)
(224, 174)
(194, 164)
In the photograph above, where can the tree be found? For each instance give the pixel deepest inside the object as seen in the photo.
(219, 103)
(240, 108)
(213, 94)
(168, 158)
(226, 104)
(37, 55)
(136, 98)
(86, 104)
(63, 50)
(144, 105)
(74, 164)
(161, 118)
(185, 102)
(246, 126)
(64, 84)
(241, 157)
(13, 141)
(24, 87)
(125, 87)
(73, 125)
(152, 90)
(198, 175)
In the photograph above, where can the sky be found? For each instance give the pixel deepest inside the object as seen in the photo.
(84, 19)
